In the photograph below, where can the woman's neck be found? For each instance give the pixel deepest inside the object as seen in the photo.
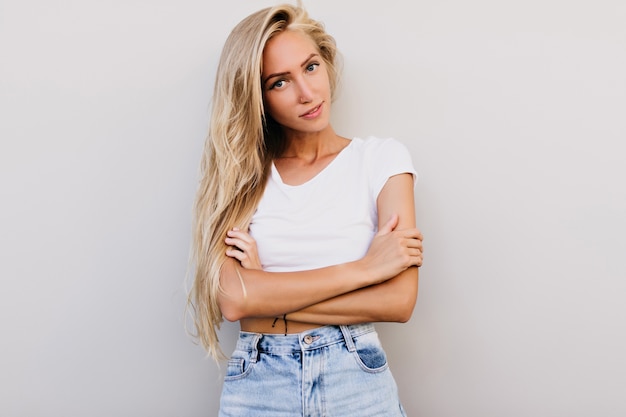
(309, 146)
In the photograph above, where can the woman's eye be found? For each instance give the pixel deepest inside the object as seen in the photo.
(311, 67)
(278, 84)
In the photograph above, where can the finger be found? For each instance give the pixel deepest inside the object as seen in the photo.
(236, 243)
(412, 233)
(242, 244)
(417, 260)
(238, 234)
(390, 225)
(234, 253)
(415, 244)
(233, 240)
(411, 242)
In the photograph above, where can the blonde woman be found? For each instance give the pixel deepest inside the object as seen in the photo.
(303, 236)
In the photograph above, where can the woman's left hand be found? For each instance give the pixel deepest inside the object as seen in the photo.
(243, 248)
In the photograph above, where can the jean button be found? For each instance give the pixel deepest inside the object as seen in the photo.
(308, 339)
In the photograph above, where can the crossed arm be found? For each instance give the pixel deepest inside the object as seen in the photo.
(382, 286)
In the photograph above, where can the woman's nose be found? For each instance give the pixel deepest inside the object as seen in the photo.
(306, 95)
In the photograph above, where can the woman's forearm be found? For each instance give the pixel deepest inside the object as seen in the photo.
(256, 293)
(390, 301)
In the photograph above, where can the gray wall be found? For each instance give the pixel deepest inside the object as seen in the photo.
(514, 113)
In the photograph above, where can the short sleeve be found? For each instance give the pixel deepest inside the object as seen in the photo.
(386, 158)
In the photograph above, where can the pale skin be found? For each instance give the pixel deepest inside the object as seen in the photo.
(381, 286)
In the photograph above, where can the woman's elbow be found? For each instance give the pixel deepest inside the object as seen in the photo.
(405, 311)
(405, 304)
(231, 309)
(231, 298)
(231, 316)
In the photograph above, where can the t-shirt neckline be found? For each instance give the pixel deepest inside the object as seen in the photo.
(276, 175)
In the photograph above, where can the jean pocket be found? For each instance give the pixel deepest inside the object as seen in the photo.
(369, 353)
(238, 366)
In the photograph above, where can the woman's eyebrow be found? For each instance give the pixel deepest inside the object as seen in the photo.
(307, 59)
(279, 74)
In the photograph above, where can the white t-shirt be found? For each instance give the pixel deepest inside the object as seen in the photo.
(332, 218)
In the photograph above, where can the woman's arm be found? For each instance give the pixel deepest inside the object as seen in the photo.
(255, 293)
(392, 300)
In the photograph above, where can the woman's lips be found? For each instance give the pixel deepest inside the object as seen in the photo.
(314, 112)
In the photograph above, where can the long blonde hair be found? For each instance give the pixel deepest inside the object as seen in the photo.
(242, 142)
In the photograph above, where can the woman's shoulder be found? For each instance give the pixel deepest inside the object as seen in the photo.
(376, 145)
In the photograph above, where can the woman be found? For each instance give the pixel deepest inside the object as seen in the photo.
(303, 236)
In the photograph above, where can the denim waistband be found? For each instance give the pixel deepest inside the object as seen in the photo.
(297, 342)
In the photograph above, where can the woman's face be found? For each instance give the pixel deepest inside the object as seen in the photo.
(295, 83)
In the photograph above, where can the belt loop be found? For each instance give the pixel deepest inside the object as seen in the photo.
(254, 352)
(348, 338)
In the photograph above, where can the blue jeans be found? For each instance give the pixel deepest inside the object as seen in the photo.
(331, 371)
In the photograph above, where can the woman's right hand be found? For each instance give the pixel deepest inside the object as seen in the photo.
(392, 251)
(243, 248)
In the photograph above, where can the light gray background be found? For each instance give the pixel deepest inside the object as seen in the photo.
(514, 112)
